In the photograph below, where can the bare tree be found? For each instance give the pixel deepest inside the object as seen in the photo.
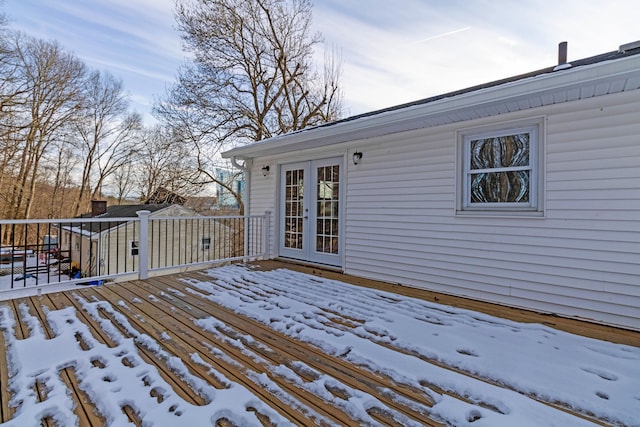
(12, 94)
(58, 173)
(53, 78)
(123, 182)
(107, 134)
(252, 75)
(163, 164)
(54, 118)
(9, 155)
(10, 87)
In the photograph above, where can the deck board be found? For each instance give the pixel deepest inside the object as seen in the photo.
(60, 301)
(184, 339)
(582, 327)
(85, 409)
(279, 353)
(146, 323)
(165, 309)
(67, 375)
(22, 331)
(284, 350)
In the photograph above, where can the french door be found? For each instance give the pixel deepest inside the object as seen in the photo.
(310, 210)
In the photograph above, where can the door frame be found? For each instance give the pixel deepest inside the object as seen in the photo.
(308, 252)
(284, 251)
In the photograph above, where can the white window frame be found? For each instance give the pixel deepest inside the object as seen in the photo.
(535, 206)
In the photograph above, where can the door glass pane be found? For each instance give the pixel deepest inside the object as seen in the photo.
(294, 196)
(327, 209)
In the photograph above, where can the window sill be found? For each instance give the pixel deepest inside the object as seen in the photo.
(500, 214)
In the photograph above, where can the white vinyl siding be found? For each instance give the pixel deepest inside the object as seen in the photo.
(581, 259)
(176, 233)
(263, 198)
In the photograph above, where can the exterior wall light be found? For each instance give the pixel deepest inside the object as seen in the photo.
(265, 170)
(357, 156)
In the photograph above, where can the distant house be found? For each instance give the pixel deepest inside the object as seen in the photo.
(176, 236)
(163, 196)
(523, 192)
(233, 180)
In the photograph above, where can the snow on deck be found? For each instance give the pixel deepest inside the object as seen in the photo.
(244, 346)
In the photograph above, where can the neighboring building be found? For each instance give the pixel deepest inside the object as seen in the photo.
(177, 236)
(163, 196)
(523, 192)
(232, 179)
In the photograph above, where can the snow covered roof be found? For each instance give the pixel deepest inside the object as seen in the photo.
(598, 75)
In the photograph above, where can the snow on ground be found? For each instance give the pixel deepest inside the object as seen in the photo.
(10, 288)
(20, 281)
(14, 283)
(508, 366)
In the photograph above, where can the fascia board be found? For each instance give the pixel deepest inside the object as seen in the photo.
(415, 116)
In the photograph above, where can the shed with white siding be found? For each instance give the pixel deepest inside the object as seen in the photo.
(523, 192)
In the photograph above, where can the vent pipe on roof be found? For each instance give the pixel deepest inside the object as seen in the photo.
(562, 57)
(562, 53)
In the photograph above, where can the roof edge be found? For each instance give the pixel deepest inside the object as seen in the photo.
(600, 67)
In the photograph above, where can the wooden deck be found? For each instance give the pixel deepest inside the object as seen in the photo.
(575, 326)
(164, 310)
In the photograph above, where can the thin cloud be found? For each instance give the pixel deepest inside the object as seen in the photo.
(389, 56)
(439, 36)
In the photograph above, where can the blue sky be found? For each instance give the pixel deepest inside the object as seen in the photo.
(392, 51)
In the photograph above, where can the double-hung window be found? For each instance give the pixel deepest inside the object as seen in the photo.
(501, 169)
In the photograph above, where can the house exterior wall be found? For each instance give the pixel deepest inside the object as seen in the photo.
(78, 249)
(172, 241)
(263, 198)
(114, 256)
(581, 258)
(175, 241)
(175, 238)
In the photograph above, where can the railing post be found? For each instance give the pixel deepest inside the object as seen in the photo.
(265, 234)
(246, 235)
(143, 244)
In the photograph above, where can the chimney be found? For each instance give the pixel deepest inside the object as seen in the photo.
(98, 207)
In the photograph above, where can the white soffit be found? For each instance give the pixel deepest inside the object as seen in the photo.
(571, 84)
